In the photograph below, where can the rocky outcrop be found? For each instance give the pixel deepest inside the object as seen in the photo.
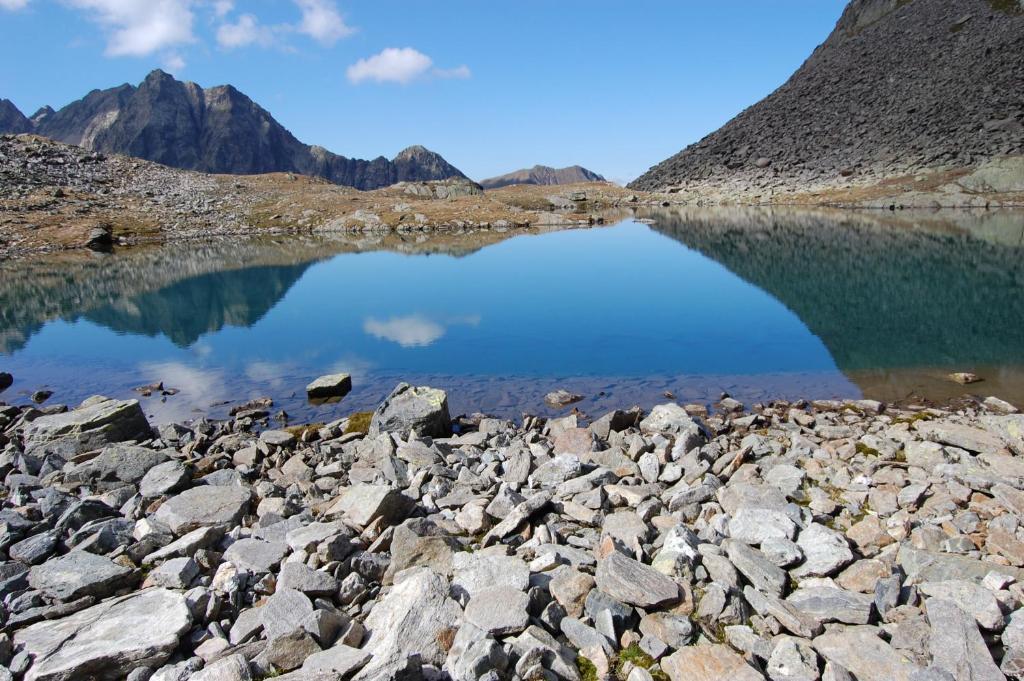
(214, 130)
(900, 86)
(544, 175)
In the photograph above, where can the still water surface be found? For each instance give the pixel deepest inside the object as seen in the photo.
(757, 303)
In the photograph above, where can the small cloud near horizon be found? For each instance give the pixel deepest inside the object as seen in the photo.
(13, 5)
(401, 65)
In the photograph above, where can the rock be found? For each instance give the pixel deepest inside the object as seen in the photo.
(340, 660)
(708, 663)
(964, 378)
(499, 611)
(412, 409)
(753, 565)
(103, 423)
(256, 555)
(176, 573)
(559, 399)
(755, 525)
(124, 463)
(288, 652)
(478, 572)
(673, 630)
(6, 381)
(284, 612)
(825, 552)
(633, 582)
(570, 588)
(864, 654)
(204, 506)
(973, 599)
(793, 659)
(78, 574)
(516, 517)
(363, 503)
(330, 386)
(230, 668)
(124, 633)
(932, 566)
(829, 604)
(671, 418)
(301, 577)
(956, 644)
(958, 435)
(409, 619)
(164, 478)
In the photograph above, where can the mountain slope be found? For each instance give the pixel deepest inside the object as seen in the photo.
(11, 119)
(543, 175)
(214, 130)
(899, 86)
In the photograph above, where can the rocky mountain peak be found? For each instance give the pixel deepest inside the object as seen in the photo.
(543, 175)
(11, 118)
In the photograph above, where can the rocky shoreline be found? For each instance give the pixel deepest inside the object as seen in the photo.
(788, 541)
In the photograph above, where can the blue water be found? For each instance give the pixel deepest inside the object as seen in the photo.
(622, 314)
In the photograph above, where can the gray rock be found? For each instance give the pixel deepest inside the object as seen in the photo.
(956, 644)
(230, 668)
(412, 409)
(363, 503)
(932, 566)
(755, 525)
(284, 612)
(793, 659)
(340, 660)
(673, 630)
(301, 577)
(326, 387)
(632, 582)
(91, 427)
(499, 611)
(256, 555)
(123, 463)
(971, 598)
(204, 506)
(753, 565)
(140, 629)
(476, 572)
(825, 552)
(708, 663)
(164, 478)
(176, 573)
(35, 549)
(78, 574)
(864, 654)
(830, 604)
(407, 620)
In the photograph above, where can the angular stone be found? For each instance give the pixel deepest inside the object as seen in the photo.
(91, 427)
(412, 409)
(256, 555)
(825, 552)
(956, 644)
(204, 506)
(476, 572)
(230, 668)
(864, 654)
(284, 612)
(793, 659)
(499, 611)
(176, 573)
(829, 604)
(965, 437)
(164, 478)
(708, 663)
(754, 525)
(758, 570)
(340, 661)
(332, 385)
(516, 517)
(973, 599)
(409, 619)
(932, 566)
(123, 463)
(141, 629)
(78, 574)
(673, 630)
(570, 588)
(632, 582)
(363, 503)
(301, 577)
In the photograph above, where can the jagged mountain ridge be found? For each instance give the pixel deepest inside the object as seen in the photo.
(899, 86)
(214, 130)
(543, 175)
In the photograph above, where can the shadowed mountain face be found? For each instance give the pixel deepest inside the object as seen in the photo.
(899, 85)
(214, 130)
(543, 175)
(878, 295)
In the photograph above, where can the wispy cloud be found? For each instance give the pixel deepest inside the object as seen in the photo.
(138, 28)
(322, 21)
(414, 331)
(246, 31)
(13, 5)
(400, 65)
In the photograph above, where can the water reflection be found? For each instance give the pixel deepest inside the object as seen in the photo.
(756, 302)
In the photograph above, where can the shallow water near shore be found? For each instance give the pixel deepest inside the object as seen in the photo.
(758, 303)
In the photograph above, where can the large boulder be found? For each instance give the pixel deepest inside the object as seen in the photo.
(78, 574)
(204, 506)
(99, 422)
(409, 409)
(121, 634)
(409, 620)
(117, 463)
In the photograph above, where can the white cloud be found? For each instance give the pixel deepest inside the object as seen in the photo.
(394, 64)
(322, 21)
(140, 27)
(174, 63)
(221, 8)
(246, 31)
(13, 5)
(413, 331)
(462, 72)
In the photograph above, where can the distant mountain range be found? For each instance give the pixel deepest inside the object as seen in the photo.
(543, 175)
(213, 130)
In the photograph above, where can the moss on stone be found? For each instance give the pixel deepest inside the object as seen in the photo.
(359, 422)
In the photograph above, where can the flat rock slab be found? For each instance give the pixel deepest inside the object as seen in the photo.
(90, 427)
(499, 611)
(141, 629)
(124, 463)
(164, 478)
(709, 663)
(332, 385)
(363, 503)
(931, 566)
(340, 661)
(829, 604)
(632, 582)
(204, 506)
(408, 620)
(865, 655)
(958, 435)
(956, 644)
(476, 572)
(256, 555)
(284, 612)
(78, 574)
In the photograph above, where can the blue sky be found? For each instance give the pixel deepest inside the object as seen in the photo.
(493, 85)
